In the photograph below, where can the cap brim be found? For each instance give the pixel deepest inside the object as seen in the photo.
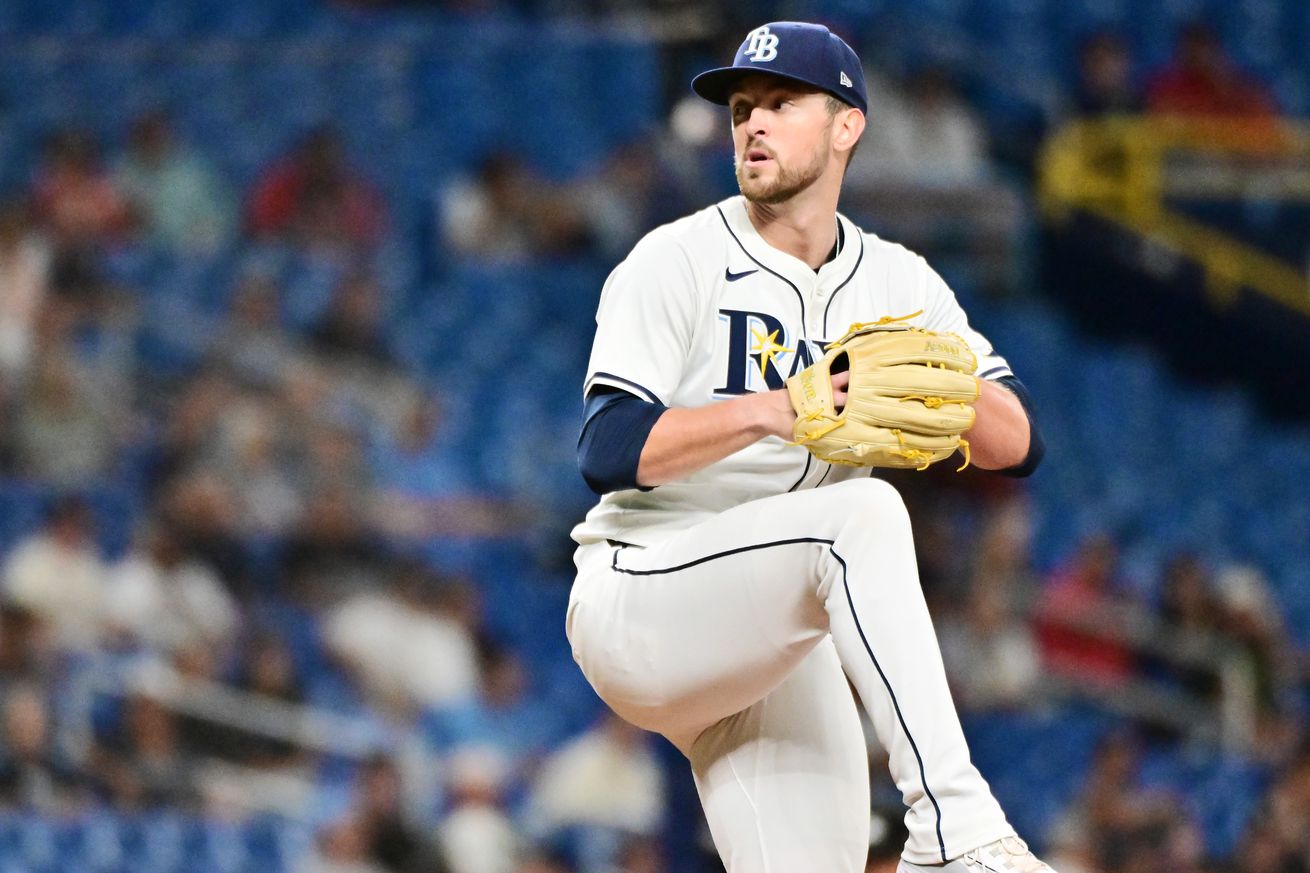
(717, 85)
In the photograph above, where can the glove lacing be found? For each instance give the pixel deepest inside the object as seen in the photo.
(857, 326)
(812, 435)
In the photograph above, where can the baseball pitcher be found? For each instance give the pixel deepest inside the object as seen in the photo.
(754, 364)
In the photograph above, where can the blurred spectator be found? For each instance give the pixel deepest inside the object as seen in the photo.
(331, 549)
(309, 396)
(252, 453)
(77, 285)
(188, 424)
(925, 135)
(424, 489)
(33, 776)
(266, 670)
(333, 460)
(57, 574)
(25, 652)
(543, 862)
(606, 778)
(415, 461)
(1105, 78)
(488, 217)
(940, 541)
(1115, 817)
(145, 767)
(507, 213)
(341, 846)
(263, 668)
(503, 716)
(922, 175)
(202, 737)
(477, 835)
(697, 152)
(176, 197)
(1264, 849)
(640, 855)
(1283, 825)
(314, 198)
(165, 598)
(1180, 849)
(339, 400)
(65, 428)
(1004, 546)
(409, 649)
(1202, 80)
(1079, 617)
(1188, 606)
(395, 842)
(989, 651)
(634, 192)
(1070, 848)
(203, 515)
(351, 329)
(24, 279)
(72, 195)
(1252, 621)
(252, 345)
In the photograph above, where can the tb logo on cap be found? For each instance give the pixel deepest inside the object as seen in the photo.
(761, 44)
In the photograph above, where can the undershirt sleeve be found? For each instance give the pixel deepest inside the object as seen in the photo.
(615, 427)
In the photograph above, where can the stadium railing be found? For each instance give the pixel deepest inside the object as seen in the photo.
(1145, 174)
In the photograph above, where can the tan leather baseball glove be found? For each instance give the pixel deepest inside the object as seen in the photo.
(910, 397)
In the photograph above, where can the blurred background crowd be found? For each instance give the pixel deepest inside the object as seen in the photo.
(295, 301)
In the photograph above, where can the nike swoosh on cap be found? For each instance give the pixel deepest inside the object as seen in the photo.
(733, 277)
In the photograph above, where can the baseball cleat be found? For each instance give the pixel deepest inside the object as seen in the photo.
(1008, 855)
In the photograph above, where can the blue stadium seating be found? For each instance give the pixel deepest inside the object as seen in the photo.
(99, 841)
(1035, 762)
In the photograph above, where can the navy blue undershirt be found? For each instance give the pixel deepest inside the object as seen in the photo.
(615, 427)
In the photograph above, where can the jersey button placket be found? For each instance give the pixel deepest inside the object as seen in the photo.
(818, 297)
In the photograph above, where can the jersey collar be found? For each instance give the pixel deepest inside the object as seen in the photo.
(791, 268)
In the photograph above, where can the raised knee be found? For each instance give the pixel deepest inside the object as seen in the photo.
(872, 498)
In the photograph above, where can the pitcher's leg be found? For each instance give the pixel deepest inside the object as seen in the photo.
(784, 784)
(884, 635)
(680, 636)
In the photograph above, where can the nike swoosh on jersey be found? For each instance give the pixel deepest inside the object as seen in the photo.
(733, 277)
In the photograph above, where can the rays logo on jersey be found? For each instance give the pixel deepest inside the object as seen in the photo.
(761, 44)
(762, 354)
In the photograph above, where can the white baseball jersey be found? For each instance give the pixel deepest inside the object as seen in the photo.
(703, 309)
(729, 614)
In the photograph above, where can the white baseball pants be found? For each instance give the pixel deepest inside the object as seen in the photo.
(735, 639)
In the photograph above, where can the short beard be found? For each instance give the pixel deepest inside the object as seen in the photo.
(789, 182)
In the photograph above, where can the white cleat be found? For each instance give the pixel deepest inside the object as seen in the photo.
(1008, 855)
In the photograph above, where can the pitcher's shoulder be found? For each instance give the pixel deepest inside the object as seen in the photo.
(885, 254)
(696, 239)
(694, 229)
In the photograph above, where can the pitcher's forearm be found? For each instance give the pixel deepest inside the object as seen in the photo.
(686, 440)
(1000, 433)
